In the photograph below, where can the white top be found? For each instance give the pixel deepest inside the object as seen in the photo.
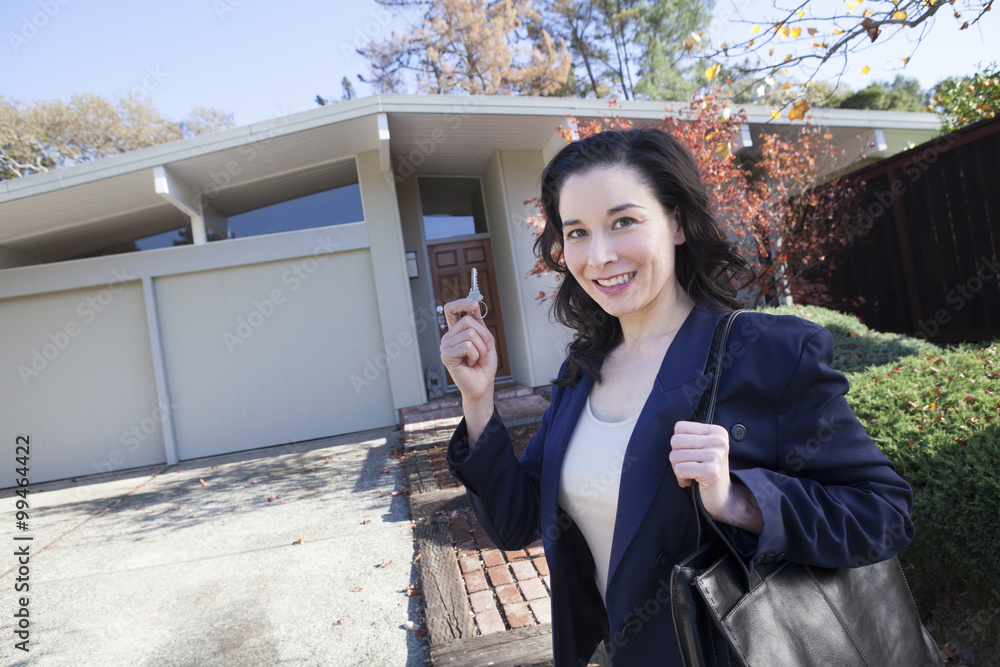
(589, 480)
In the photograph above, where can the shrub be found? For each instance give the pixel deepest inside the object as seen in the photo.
(856, 347)
(934, 413)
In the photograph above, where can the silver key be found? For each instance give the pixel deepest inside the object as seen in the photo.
(474, 293)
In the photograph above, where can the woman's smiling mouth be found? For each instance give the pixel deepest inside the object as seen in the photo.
(615, 284)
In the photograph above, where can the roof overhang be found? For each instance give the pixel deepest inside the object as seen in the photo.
(69, 211)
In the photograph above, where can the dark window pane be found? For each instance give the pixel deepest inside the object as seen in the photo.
(452, 207)
(332, 207)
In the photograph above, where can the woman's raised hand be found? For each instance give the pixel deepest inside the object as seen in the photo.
(468, 351)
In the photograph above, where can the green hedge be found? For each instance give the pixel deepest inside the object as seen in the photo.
(934, 412)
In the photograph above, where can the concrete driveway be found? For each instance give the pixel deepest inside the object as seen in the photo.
(197, 564)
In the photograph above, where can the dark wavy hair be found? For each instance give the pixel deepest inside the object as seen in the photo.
(707, 263)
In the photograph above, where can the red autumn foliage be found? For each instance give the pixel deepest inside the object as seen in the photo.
(775, 200)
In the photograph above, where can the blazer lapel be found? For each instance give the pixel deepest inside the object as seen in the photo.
(676, 392)
(674, 397)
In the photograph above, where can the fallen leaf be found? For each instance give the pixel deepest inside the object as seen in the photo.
(384, 563)
(202, 482)
(411, 590)
(299, 541)
(384, 471)
(396, 493)
(948, 653)
(357, 590)
(366, 522)
(339, 621)
(270, 498)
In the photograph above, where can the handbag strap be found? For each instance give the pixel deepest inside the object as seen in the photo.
(705, 413)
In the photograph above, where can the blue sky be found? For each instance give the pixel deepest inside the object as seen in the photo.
(260, 59)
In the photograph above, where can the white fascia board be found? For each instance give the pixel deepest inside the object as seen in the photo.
(382, 121)
(176, 191)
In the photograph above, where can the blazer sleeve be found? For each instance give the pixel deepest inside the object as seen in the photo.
(503, 492)
(834, 499)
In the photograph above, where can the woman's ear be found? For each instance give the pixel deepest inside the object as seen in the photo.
(678, 227)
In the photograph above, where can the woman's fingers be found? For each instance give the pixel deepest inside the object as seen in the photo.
(465, 345)
(454, 310)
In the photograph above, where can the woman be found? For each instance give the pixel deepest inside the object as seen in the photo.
(786, 468)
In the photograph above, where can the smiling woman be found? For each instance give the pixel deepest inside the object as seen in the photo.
(647, 277)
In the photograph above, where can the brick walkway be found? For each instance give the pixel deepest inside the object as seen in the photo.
(482, 605)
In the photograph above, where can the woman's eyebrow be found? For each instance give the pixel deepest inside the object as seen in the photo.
(611, 211)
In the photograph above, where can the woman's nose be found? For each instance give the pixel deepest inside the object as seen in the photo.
(601, 251)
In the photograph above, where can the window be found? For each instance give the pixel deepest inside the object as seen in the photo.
(452, 207)
(331, 207)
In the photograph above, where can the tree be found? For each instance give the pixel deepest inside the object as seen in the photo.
(775, 203)
(811, 34)
(902, 94)
(47, 135)
(634, 46)
(480, 47)
(960, 102)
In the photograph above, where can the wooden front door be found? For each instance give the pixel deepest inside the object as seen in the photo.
(451, 275)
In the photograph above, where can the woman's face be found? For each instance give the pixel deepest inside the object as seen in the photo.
(618, 242)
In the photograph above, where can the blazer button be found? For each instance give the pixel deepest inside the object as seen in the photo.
(663, 561)
(739, 432)
(630, 629)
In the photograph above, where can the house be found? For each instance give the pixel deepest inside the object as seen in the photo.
(305, 306)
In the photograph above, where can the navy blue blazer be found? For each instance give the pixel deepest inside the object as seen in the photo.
(827, 495)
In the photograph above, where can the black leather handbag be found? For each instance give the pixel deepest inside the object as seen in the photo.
(785, 613)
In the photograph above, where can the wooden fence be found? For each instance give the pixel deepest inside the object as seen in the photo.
(925, 259)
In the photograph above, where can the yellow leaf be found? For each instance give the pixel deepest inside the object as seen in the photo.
(800, 13)
(850, 5)
(787, 58)
(866, 69)
(750, 43)
(899, 16)
(868, 12)
(712, 71)
(838, 31)
(695, 37)
(775, 113)
(796, 32)
(798, 110)
(755, 29)
(812, 31)
(906, 59)
(770, 51)
(784, 31)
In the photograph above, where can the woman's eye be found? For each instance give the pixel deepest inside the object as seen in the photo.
(573, 233)
(625, 222)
